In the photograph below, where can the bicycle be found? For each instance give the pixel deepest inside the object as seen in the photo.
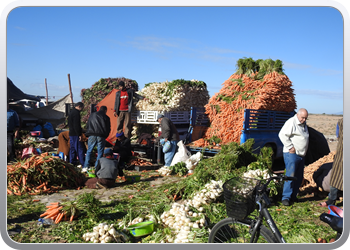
(241, 196)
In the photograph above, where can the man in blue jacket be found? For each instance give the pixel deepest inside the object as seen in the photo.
(98, 129)
(12, 132)
(123, 107)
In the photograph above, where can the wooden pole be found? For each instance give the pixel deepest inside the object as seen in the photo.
(70, 88)
(47, 95)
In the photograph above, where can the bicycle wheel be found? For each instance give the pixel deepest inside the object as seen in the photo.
(230, 230)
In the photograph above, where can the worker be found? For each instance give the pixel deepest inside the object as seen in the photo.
(169, 133)
(123, 147)
(12, 132)
(106, 171)
(76, 147)
(336, 181)
(122, 108)
(294, 136)
(98, 129)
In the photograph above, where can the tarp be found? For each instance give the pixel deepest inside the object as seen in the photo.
(15, 94)
(108, 101)
(54, 112)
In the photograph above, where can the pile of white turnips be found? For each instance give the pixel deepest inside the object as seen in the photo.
(182, 97)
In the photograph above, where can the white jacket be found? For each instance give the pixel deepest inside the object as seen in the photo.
(294, 134)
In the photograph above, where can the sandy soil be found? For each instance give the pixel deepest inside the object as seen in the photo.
(326, 124)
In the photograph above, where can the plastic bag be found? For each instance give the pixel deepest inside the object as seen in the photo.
(50, 128)
(166, 145)
(182, 154)
(28, 152)
(193, 161)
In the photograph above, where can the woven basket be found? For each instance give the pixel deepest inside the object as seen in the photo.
(239, 195)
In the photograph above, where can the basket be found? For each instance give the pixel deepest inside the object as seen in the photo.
(239, 195)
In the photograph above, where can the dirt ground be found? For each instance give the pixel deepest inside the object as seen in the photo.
(326, 124)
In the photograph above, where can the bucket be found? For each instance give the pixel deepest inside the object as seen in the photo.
(336, 211)
(141, 229)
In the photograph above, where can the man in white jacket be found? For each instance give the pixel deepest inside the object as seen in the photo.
(295, 138)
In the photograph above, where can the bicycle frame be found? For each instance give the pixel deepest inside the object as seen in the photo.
(264, 213)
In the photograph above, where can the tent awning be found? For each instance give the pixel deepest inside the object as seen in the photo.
(15, 94)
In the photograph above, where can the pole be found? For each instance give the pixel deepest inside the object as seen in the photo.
(47, 96)
(70, 88)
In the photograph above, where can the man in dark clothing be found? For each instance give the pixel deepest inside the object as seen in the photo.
(12, 132)
(122, 108)
(169, 133)
(98, 129)
(123, 147)
(75, 132)
(106, 172)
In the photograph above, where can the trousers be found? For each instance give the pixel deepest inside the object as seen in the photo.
(294, 168)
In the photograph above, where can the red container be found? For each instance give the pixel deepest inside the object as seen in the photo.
(35, 133)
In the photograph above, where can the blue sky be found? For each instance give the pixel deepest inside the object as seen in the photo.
(154, 44)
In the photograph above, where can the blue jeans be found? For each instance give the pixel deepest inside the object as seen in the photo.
(76, 148)
(92, 142)
(333, 194)
(168, 157)
(294, 168)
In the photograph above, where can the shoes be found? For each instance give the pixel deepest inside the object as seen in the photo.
(286, 203)
(79, 166)
(83, 170)
(100, 186)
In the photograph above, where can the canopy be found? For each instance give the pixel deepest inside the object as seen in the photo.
(15, 94)
(108, 101)
(54, 112)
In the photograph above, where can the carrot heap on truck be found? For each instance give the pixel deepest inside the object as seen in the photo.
(254, 102)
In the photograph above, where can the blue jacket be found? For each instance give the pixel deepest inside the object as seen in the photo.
(12, 120)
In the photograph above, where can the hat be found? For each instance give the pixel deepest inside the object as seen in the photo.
(119, 134)
(108, 151)
(160, 116)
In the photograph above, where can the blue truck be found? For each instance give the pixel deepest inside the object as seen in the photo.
(261, 125)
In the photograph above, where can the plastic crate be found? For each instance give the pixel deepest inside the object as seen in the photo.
(150, 117)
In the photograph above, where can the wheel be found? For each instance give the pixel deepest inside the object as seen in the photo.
(230, 230)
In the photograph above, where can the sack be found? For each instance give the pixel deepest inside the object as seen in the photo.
(181, 155)
(50, 128)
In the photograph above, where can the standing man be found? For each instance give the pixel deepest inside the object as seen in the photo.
(169, 133)
(98, 129)
(295, 138)
(12, 132)
(336, 182)
(122, 108)
(75, 133)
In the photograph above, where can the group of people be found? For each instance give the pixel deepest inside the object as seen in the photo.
(295, 138)
(107, 167)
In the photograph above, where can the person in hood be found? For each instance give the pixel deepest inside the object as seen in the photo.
(106, 172)
(122, 108)
(98, 129)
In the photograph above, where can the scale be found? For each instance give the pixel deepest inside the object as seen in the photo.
(35, 134)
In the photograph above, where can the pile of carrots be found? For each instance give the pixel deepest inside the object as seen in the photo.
(54, 211)
(248, 89)
(42, 174)
(139, 162)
